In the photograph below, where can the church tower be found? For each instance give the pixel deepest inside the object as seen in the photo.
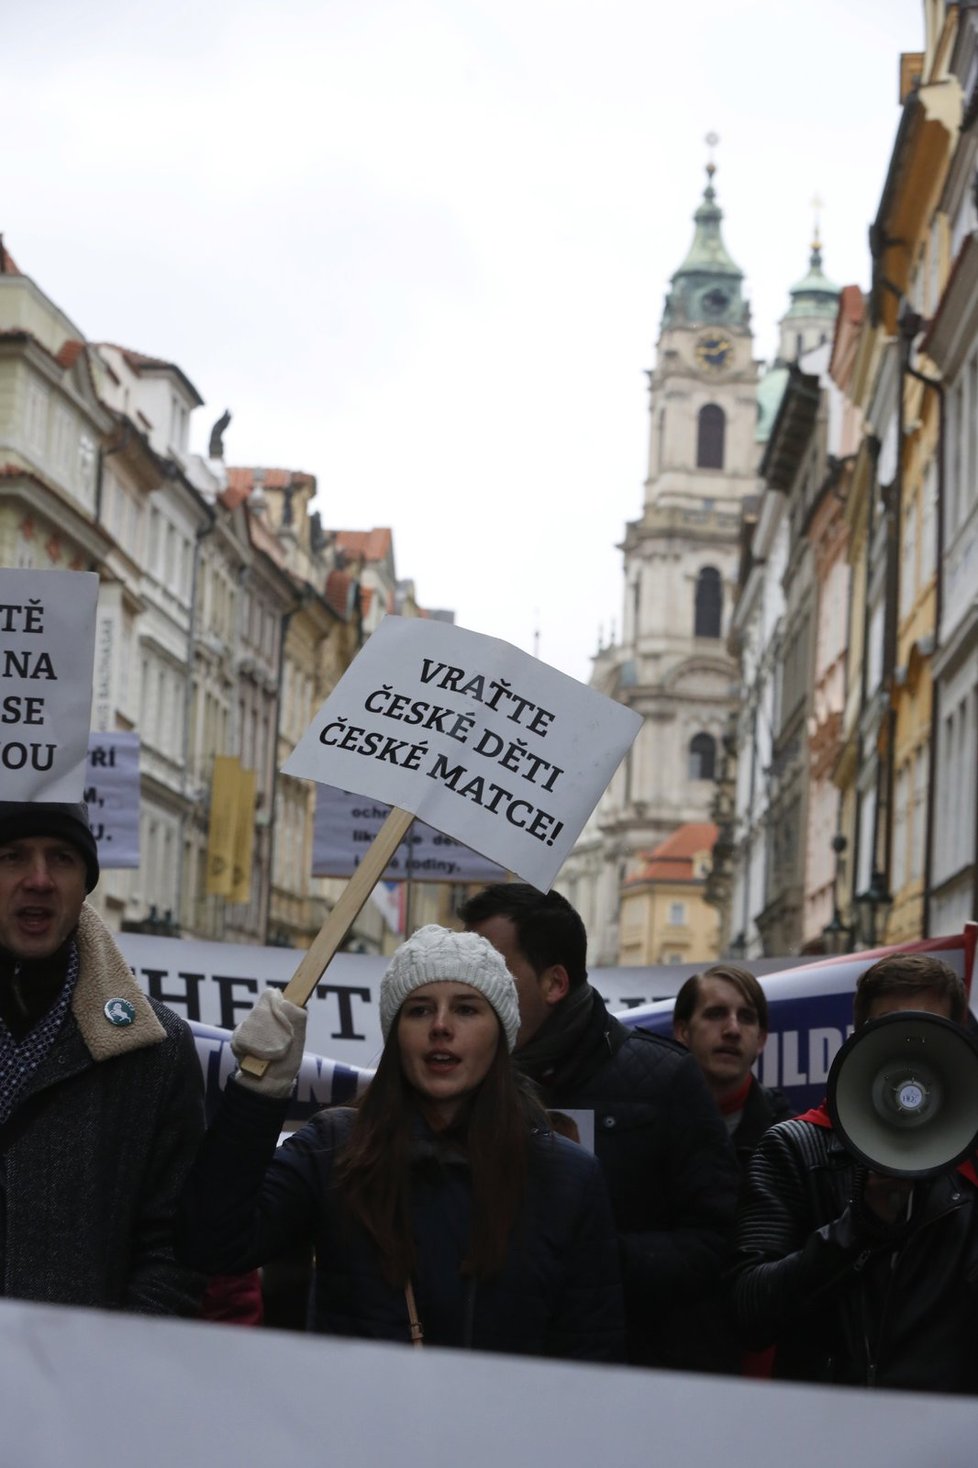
(680, 563)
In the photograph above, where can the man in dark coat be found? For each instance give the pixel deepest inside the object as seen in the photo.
(721, 1018)
(101, 1100)
(856, 1277)
(662, 1144)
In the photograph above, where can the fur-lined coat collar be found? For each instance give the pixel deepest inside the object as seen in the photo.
(103, 975)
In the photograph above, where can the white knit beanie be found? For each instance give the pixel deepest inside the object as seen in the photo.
(434, 954)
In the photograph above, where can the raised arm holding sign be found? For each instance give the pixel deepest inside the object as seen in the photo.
(483, 742)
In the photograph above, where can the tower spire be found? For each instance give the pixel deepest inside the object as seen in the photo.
(707, 286)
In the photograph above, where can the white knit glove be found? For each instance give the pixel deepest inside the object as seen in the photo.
(275, 1031)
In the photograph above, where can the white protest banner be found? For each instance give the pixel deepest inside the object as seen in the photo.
(345, 824)
(112, 796)
(476, 738)
(96, 1387)
(47, 649)
(218, 983)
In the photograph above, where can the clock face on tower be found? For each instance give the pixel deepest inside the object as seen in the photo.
(714, 351)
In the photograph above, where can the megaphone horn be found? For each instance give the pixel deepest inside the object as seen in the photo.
(903, 1094)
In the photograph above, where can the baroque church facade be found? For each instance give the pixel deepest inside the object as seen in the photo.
(681, 562)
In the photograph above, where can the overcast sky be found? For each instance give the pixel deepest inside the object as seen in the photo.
(420, 247)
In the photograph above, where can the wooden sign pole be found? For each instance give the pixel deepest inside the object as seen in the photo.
(320, 952)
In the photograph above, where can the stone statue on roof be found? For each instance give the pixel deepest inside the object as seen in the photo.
(215, 448)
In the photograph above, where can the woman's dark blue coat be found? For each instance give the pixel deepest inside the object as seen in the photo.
(558, 1295)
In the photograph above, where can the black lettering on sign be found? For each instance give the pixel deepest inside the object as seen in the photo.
(229, 1004)
(188, 999)
(345, 995)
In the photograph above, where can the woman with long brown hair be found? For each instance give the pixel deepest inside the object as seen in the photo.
(443, 1202)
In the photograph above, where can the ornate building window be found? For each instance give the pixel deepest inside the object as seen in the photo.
(709, 603)
(710, 431)
(702, 757)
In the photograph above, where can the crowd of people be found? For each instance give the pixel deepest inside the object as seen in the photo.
(700, 1227)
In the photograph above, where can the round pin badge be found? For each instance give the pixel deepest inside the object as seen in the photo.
(119, 1012)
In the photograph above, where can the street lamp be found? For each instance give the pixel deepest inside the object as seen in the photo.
(873, 906)
(836, 934)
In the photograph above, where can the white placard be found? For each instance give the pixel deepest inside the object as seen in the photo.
(482, 742)
(47, 649)
(346, 824)
(112, 796)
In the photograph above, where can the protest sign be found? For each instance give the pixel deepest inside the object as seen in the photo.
(112, 796)
(476, 738)
(346, 824)
(47, 650)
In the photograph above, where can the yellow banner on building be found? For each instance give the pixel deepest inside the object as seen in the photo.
(221, 831)
(244, 838)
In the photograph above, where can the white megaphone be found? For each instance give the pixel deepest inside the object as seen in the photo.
(903, 1094)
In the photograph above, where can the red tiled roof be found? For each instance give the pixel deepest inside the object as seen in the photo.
(672, 859)
(139, 361)
(70, 351)
(338, 593)
(372, 545)
(7, 261)
(242, 480)
(852, 304)
(366, 597)
(237, 491)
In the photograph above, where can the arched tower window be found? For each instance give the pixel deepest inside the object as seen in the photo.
(702, 757)
(709, 603)
(710, 430)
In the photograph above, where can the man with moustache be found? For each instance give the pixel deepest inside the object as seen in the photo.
(101, 1097)
(721, 1017)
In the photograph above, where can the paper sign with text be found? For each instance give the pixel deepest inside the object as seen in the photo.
(346, 824)
(480, 740)
(47, 651)
(112, 796)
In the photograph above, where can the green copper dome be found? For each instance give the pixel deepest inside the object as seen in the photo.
(707, 287)
(814, 294)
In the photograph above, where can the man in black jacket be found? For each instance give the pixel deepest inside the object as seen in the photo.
(101, 1097)
(662, 1144)
(721, 1018)
(858, 1278)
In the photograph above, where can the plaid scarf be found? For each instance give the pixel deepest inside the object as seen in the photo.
(18, 1062)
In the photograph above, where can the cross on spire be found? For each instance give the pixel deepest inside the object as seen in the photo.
(818, 204)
